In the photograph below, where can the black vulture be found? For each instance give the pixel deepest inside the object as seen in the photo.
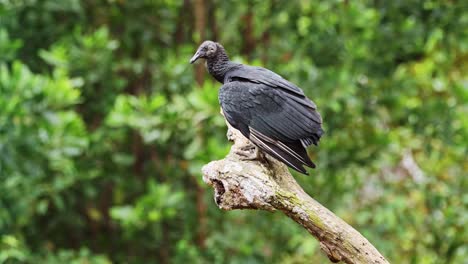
(273, 113)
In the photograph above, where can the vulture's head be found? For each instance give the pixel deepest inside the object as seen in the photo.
(207, 50)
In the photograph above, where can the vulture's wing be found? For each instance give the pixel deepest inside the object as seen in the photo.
(277, 124)
(261, 75)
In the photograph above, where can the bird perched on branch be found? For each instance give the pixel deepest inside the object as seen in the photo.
(273, 113)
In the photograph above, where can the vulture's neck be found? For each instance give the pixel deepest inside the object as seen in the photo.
(219, 65)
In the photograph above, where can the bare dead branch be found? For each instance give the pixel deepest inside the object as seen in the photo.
(266, 184)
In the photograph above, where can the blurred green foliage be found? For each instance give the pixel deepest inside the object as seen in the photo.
(103, 129)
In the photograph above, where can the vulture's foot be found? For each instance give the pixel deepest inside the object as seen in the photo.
(251, 152)
(248, 152)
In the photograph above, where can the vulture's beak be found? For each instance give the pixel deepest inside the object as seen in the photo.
(195, 57)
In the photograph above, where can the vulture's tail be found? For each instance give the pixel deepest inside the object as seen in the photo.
(292, 154)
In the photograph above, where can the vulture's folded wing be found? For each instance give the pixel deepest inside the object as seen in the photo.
(272, 120)
(245, 73)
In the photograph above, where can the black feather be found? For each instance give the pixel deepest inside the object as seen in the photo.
(275, 150)
(270, 120)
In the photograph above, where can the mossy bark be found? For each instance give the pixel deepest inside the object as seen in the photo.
(266, 184)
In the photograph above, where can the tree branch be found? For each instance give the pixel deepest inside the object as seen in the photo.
(267, 185)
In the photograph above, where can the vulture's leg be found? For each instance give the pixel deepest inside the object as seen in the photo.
(247, 152)
(243, 147)
(251, 152)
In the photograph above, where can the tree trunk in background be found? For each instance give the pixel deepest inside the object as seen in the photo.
(247, 32)
(202, 218)
(164, 254)
(200, 26)
(265, 45)
(182, 22)
(200, 15)
(265, 38)
(212, 20)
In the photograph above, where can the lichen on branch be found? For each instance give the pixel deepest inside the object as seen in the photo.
(241, 182)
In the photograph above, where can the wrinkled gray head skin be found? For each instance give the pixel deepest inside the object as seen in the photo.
(206, 50)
